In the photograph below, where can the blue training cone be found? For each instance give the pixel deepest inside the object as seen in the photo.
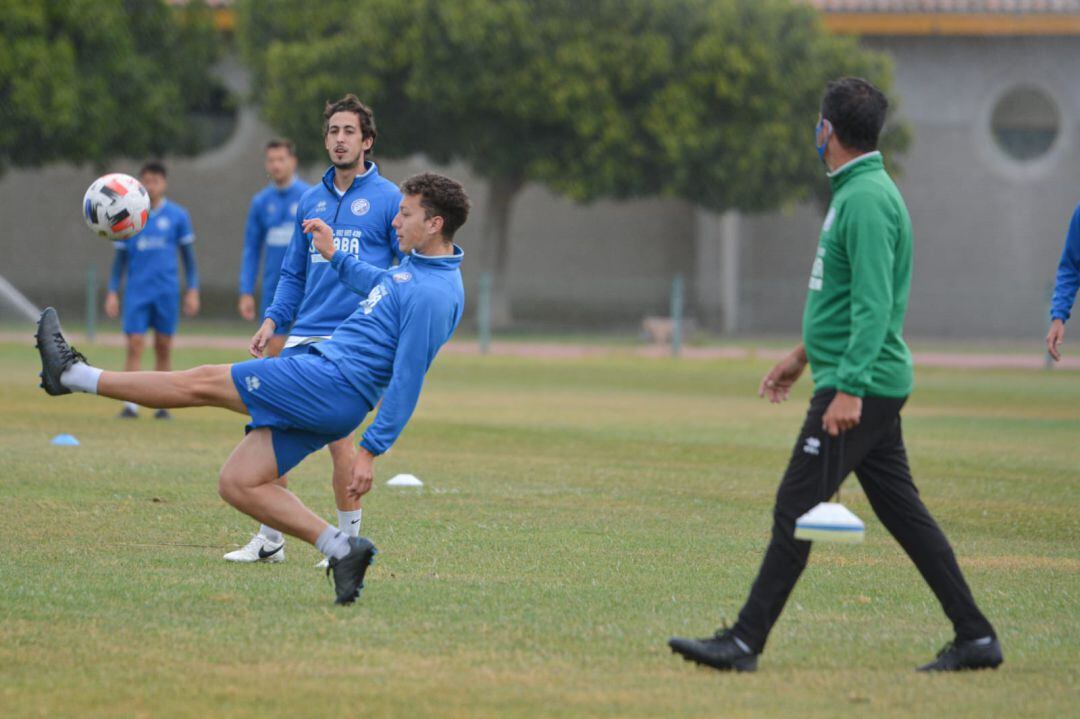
(65, 440)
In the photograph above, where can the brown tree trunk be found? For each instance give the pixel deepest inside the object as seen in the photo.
(502, 191)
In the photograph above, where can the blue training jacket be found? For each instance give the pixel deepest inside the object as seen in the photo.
(270, 221)
(309, 295)
(1068, 274)
(389, 341)
(150, 256)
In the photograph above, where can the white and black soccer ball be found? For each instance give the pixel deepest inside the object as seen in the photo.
(116, 206)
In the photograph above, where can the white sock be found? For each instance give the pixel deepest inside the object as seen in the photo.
(349, 522)
(333, 543)
(81, 377)
(132, 406)
(271, 534)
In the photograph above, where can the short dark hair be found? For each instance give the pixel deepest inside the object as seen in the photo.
(440, 197)
(278, 142)
(856, 110)
(351, 103)
(154, 167)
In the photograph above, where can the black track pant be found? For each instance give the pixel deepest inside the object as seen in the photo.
(875, 450)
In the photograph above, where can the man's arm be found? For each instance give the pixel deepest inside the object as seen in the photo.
(424, 327)
(357, 275)
(191, 269)
(292, 281)
(1068, 281)
(116, 276)
(254, 235)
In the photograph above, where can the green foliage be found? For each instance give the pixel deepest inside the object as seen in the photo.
(713, 101)
(89, 80)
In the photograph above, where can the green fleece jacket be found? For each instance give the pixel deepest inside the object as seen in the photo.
(853, 323)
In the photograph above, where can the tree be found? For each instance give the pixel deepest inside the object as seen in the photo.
(708, 100)
(89, 80)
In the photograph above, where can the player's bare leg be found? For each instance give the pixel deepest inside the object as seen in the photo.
(134, 352)
(162, 363)
(205, 386)
(162, 352)
(247, 483)
(134, 346)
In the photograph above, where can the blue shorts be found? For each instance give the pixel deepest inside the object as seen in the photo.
(160, 311)
(304, 400)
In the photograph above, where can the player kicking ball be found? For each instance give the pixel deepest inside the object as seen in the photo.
(301, 403)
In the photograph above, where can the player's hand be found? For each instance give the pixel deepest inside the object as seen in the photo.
(1054, 339)
(363, 474)
(843, 413)
(112, 305)
(246, 307)
(191, 302)
(262, 338)
(777, 383)
(322, 237)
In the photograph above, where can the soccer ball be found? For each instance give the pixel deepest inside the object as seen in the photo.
(116, 206)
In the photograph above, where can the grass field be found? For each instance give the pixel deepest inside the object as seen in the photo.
(575, 515)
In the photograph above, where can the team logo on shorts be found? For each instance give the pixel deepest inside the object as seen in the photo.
(402, 276)
(360, 207)
(252, 382)
(812, 446)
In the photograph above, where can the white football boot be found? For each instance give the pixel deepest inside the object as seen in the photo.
(259, 549)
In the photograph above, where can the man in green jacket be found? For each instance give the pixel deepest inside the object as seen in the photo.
(853, 341)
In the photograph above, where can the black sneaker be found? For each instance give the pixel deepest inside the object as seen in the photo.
(162, 414)
(719, 651)
(958, 656)
(56, 354)
(128, 413)
(349, 570)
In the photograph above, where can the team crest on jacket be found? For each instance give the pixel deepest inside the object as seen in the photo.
(360, 207)
(163, 223)
(402, 276)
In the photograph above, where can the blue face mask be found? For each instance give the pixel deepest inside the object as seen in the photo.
(828, 136)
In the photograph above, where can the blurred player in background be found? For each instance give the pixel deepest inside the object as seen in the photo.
(359, 206)
(1068, 282)
(269, 227)
(152, 290)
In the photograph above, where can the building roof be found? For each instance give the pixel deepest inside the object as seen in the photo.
(950, 6)
(951, 17)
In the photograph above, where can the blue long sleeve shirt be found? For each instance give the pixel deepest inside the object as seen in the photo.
(385, 347)
(1068, 274)
(149, 258)
(309, 294)
(269, 228)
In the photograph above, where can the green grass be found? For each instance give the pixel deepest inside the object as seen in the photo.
(575, 515)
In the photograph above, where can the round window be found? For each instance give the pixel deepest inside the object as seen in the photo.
(1025, 123)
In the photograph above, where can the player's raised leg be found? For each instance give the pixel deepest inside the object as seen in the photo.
(64, 370)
